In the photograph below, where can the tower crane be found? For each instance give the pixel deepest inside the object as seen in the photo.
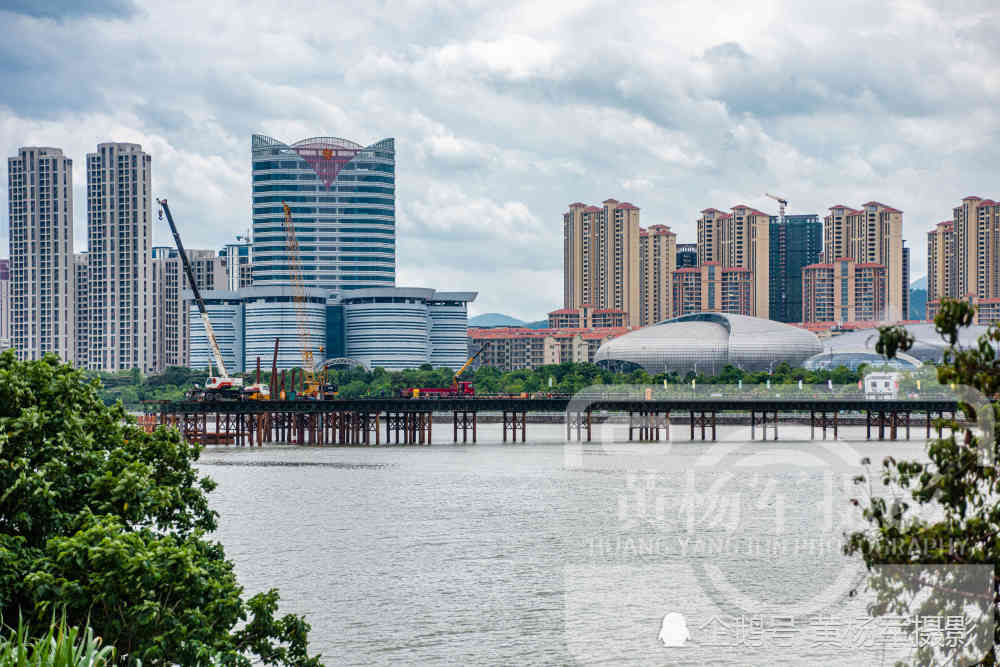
(214, 386)
(311, 387)
(782, 203)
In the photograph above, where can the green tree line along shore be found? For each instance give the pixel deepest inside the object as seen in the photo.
(132, 389)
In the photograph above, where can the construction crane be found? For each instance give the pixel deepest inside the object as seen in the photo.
(223, 385)
(456, 389)
(311, 387)
(782, 203)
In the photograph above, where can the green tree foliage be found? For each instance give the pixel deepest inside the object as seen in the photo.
(108, 525)
(958, 486)
(566, 378)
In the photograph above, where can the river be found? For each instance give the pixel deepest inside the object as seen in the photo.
(556, 553)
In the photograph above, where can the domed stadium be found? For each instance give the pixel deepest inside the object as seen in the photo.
(853, 348)
(708, 342)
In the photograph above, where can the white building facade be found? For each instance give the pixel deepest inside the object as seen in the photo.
(119, 243)
(41, 292)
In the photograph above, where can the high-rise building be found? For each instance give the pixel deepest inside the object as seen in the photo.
(872, 234)
(343, 201)
(740, 239)
(4, 304)
(795, 244)
(40, 200)
(963, 259)
(657, 262)
(844, 291)
(712, 287)
(746, 244)
(119, 252)
(906, 282)
(239, 263)
(941, 272)
(977, 248)
(81, 290)
(171, 327)
(601, 257)
(687, 255)
(710, 235)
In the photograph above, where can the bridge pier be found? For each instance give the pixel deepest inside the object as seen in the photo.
(766, 421)
(704, 419)
(820, 419)
(510, 422)
(648, 423)
(465, 420)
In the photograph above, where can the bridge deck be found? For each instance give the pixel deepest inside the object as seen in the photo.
(550, 405)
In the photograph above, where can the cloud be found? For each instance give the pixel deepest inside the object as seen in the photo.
(70, 9)
(725, 52)
(504, 112)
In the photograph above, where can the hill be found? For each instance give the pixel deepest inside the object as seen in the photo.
(495, 320)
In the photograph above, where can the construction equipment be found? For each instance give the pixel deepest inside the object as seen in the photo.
(782, 203)
(311, 388)
(257, 391)
(221, 386)
(457, 388)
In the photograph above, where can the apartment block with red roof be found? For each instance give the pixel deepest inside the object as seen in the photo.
(870, 234)
(963, 258)
(657, 262)
(940, 262)
(712, 287)
(739, 239)
(601, 257)
(514, 348)
(587, 317)
(844, 291)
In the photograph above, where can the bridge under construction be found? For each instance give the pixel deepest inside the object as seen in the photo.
(401, 421)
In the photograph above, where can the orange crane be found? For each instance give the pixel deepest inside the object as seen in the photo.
(458, 388)
(311, 387)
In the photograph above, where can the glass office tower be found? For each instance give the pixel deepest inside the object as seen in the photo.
(343, 201)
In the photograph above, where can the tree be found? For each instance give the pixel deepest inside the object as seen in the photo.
(957, 485)
(108, 525)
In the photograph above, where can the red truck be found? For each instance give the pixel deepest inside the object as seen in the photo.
(457, 390)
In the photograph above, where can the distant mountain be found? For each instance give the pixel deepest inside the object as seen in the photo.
(540, 324)
(919, 283)
(495, 320)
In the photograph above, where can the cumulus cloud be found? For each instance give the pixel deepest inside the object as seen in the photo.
(505, 112)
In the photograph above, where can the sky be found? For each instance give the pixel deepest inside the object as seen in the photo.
(504, 112)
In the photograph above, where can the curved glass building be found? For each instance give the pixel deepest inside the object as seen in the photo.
(225, 311)
(449, 339)
(405, 327)
(271, 313)
(343, 201)
(707, 342)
